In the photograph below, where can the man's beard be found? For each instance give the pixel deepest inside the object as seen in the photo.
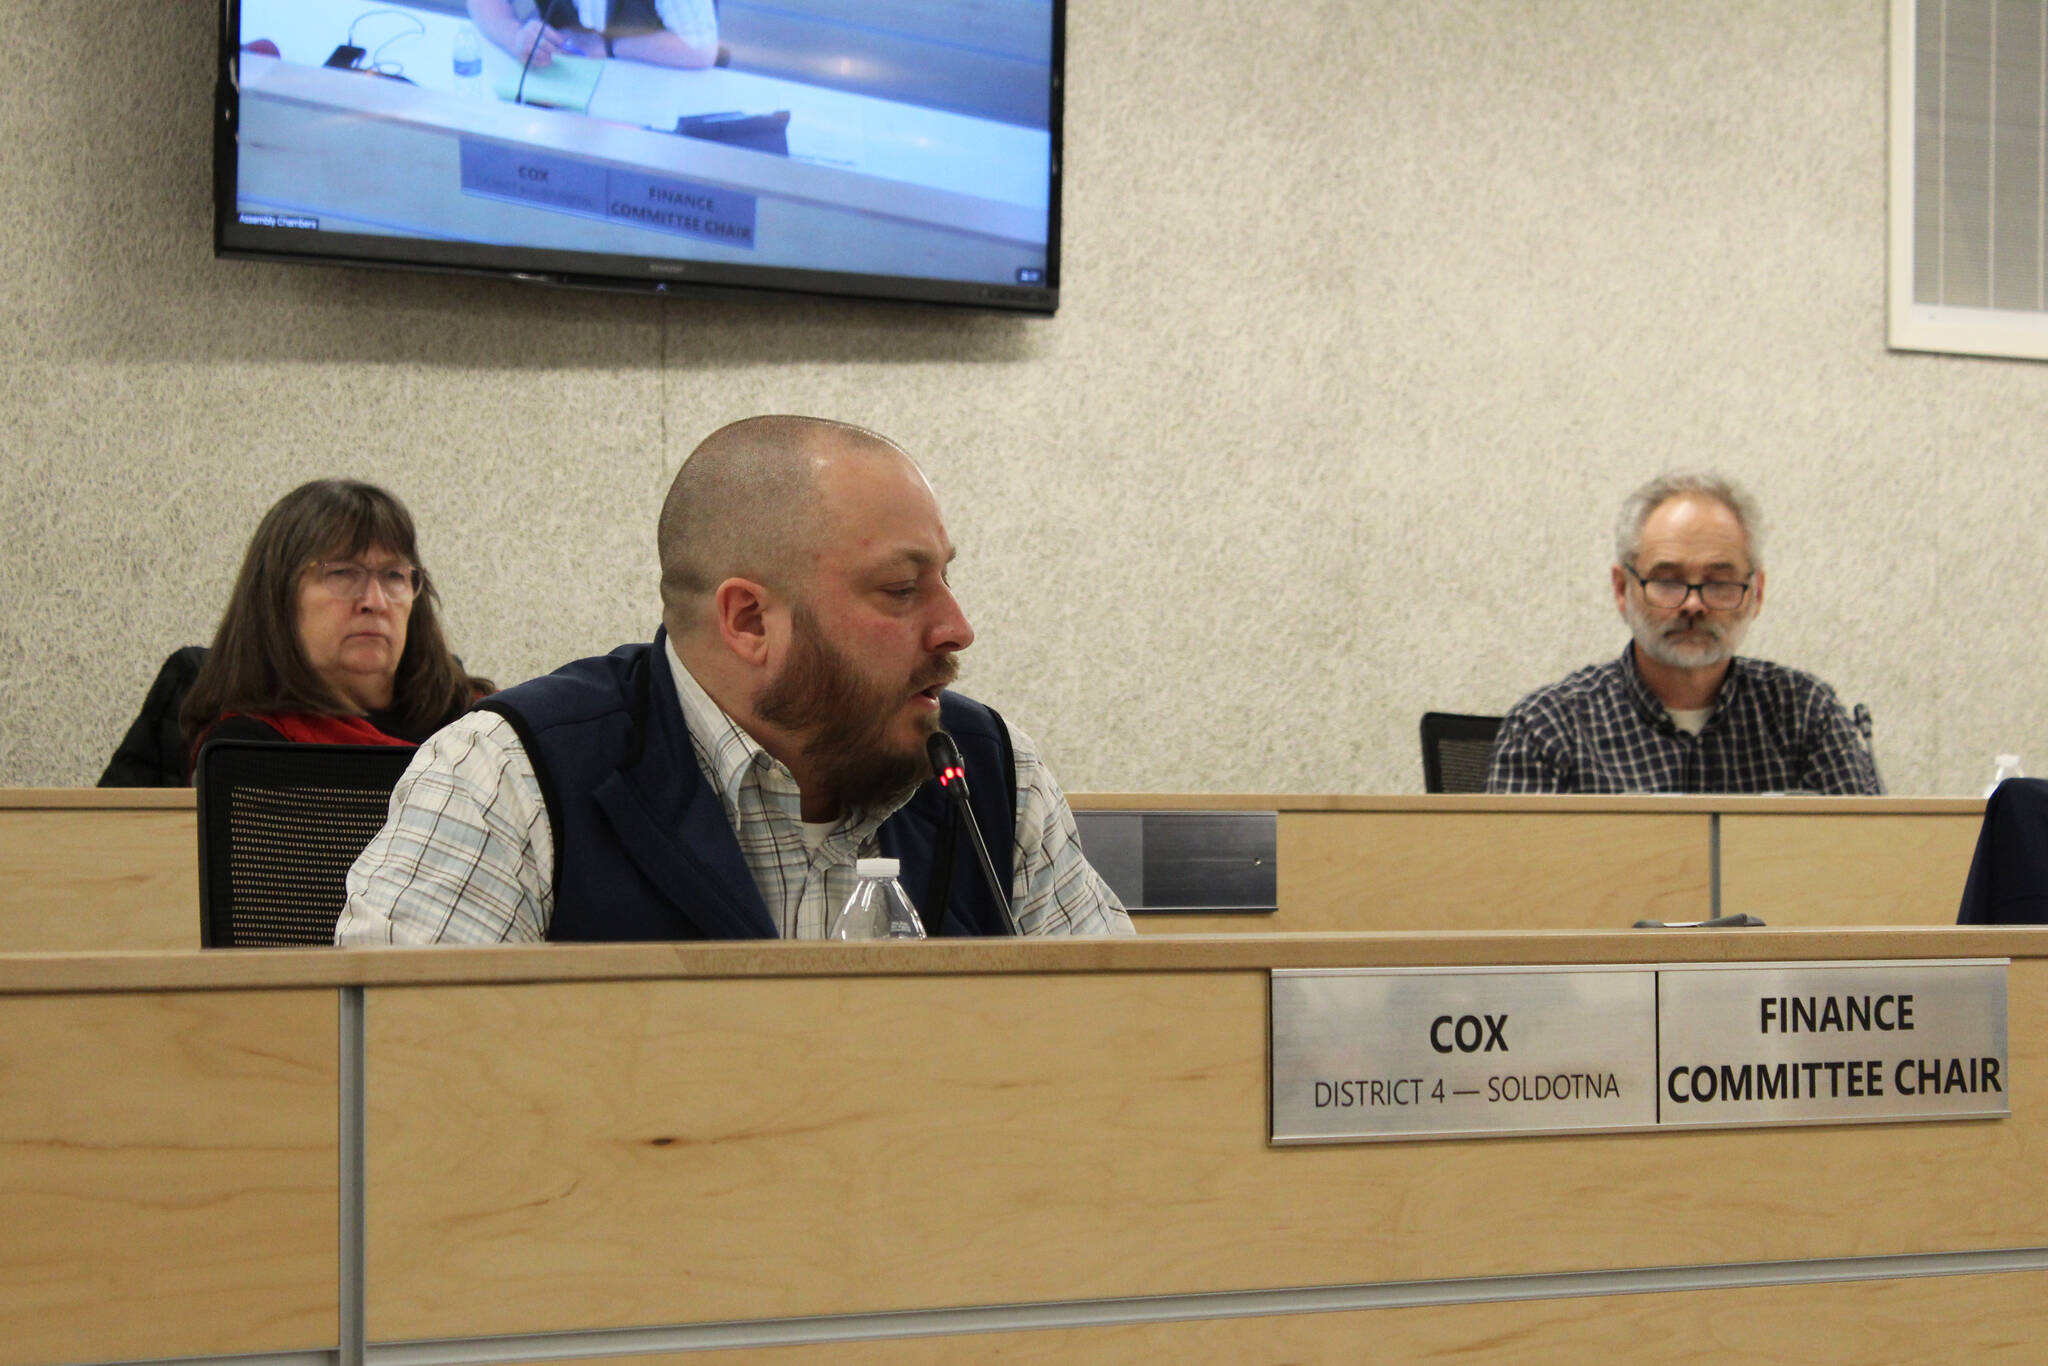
(844, 717)
(1657, 639)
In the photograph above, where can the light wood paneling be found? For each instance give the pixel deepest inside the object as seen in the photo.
(1581, 804)
(217, 969)
(1934, 1321)
(96, 799)
(167, 1175)
(101, 869)
(1489, 870)
(598, 1154)
(1846, 870)
(79, 878)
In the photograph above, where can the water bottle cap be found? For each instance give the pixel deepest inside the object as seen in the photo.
(877, 867)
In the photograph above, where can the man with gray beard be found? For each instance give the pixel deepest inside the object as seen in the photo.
(1679, 711)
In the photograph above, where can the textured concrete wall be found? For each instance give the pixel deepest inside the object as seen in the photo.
(1373, 313)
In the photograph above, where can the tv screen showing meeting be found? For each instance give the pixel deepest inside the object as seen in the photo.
(899, 149)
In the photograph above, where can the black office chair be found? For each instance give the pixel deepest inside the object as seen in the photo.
(1456, 751)
(1859, 716)
(279, 825)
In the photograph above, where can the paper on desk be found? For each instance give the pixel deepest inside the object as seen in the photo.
(564, 83)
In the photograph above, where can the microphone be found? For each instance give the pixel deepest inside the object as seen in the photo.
(546, 14)
(951, 771)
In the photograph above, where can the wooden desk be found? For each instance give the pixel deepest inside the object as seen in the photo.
(1050, 1151)
(98, 868)
(1454, 863)
(168, 1167)
(88, 868)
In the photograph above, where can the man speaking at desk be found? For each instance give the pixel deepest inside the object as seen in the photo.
(720, 782)
(666, 32)
(1679, 711)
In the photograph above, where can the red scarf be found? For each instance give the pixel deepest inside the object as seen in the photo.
(308, 728)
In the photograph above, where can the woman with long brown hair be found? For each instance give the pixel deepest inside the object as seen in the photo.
(331, 635)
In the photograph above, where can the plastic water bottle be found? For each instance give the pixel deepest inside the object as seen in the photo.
(468, 53)
(878, 908)
(2008, 766)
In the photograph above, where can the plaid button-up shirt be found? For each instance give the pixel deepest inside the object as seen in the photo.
(1773, 729)
(467, 855)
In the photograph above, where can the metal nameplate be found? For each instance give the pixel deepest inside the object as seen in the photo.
(1374, 1054)
(1832, 1043)
(1186, 862)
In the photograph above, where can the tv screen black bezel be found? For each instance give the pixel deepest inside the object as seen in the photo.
(659, 276)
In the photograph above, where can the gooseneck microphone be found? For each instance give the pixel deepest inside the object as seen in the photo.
(545, 12)
(951, 771)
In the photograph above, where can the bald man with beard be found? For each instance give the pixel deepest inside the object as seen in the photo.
(1680, 711)
(720, 782)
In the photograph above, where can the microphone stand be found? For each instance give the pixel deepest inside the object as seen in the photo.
(951, 772)
(546, 15)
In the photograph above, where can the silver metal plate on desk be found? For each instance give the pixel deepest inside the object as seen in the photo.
(1186, 862)
(1832, 1043)
(1397, 1053)
(1374, 1054)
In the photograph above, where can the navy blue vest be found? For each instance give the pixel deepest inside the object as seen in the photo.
(642, 847)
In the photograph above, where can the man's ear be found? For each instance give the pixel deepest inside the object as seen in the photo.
(1620, 589)
(741, 610)
(1756, 593)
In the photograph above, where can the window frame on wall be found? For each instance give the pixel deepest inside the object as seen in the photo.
(1945, 200)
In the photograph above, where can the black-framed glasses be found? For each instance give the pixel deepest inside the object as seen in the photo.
(1716, 595)
(347, 581)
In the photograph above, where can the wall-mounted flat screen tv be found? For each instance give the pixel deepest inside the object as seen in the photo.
(895, 149)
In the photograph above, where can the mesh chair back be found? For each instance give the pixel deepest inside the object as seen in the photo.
(279, 825)
(1456, 751)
